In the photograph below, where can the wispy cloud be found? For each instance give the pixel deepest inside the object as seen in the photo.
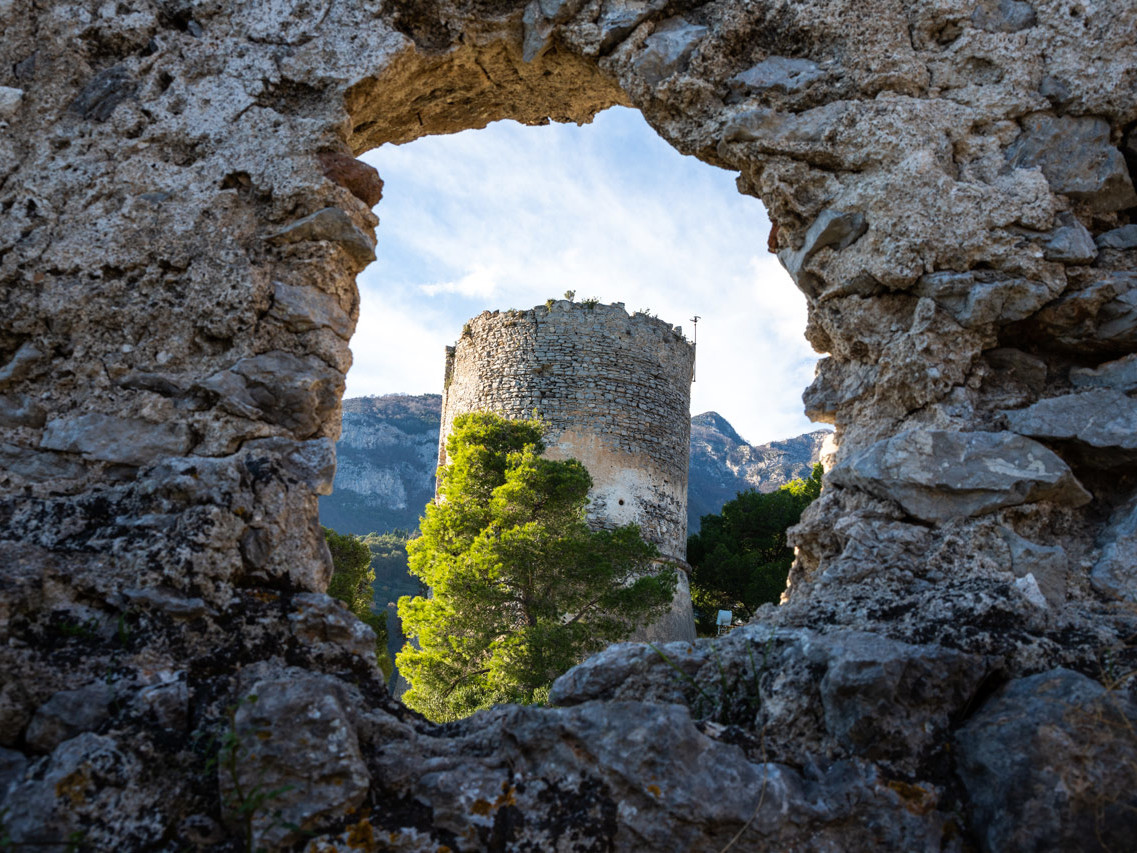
(510, 216)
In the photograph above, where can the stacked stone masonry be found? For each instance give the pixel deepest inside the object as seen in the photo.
(614, 391)
(181, 224)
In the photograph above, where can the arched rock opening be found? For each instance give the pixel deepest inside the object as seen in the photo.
(178, 296)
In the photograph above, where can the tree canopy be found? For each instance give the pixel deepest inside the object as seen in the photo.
(739, 558)
(521, 588)
(351, 583)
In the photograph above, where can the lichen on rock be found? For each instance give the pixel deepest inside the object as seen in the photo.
(952, 186)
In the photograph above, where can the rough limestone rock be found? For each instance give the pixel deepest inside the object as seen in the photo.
(182, 222)
(1078, 158)
(1124, 237)
(1104, 420)
(1120, 374)
(68, 713)
(938, 475)
(1115, 572)
(1051, 763)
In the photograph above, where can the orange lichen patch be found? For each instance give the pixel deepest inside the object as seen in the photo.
(74, 787)
(264, 595)
(482, 807)
(361, 836)
(917, 799)
(507, 797)
(654, 791)
(444, 849)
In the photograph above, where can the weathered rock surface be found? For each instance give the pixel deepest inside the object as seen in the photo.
(294, 743)
(937, 475)
(1051, 763)
(177, 253)
(1124, 237)
(1105, 420)
(69, 713)
(1077, 157)
(1047, 566)
(108, 438)
(1115, 572)
(1070, 243)
(1120, 375)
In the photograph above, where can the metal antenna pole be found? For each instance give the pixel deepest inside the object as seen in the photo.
(695, 342)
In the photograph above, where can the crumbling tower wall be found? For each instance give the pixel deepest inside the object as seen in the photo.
(615, 392)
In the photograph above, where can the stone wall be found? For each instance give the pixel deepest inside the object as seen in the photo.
(614, 390)
(181, 220)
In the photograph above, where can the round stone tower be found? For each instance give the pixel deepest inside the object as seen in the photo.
(614, 391)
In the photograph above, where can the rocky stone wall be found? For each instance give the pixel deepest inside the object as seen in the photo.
(614, 391)
(181, 220)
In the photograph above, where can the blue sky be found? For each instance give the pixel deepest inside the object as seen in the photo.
(509, 216)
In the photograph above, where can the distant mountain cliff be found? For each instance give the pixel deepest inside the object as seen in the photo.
(385, 461)
(723, 464)
(389, 448)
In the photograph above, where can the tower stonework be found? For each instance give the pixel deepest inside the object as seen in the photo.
(614, 391)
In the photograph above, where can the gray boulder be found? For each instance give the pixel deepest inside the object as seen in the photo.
(667, 49)
(1077, 159)
(26, 362)
(109, 438)
(1102, 419)
(293, 737)
(1050, 763)
(1098, 317)
(295, 392)
(304, 308)
(835, 229)
(332, 225)
(777, 73)
(640, 776)
(937, 475)
(1121, 375)
(885, 699)
(1115, 572)
(871, 696)
(1070, 242)
(68, 713)
(618, 20)
(39, 466)
(974, 302)
(1003, 16)
(1047, 565)
(1124, 237)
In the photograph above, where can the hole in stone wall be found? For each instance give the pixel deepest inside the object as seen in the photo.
(509, 217)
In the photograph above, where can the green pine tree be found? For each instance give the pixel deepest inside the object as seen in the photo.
(521, 588)
(739, 558)
(351, 582)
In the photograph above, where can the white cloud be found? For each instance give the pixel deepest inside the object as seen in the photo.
(480, 282)
(510, 216)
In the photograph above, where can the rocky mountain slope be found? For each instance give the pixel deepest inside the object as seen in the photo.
(385, 461)
(386, 458)
(723, 464)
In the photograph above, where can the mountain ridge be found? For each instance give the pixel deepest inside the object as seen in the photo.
(387, 454)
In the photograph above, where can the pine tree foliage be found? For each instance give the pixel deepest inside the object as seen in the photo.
(351, 582)
(739, 558)
(521, 588)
